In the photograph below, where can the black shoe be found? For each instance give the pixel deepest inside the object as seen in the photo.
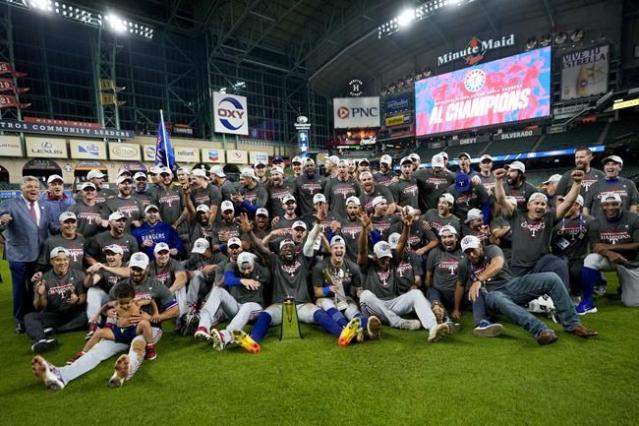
(19, 328)
(49, 331)
(43, 345)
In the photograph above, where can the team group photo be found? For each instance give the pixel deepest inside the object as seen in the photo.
(369, 212)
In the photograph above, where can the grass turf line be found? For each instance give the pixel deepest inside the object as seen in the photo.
(399, 380)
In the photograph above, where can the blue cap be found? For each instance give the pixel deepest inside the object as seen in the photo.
(277, 159)
(462, 183)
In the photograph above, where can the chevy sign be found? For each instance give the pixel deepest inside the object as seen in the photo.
(231, 114)
(352, 113)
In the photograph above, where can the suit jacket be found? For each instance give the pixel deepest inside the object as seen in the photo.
(23, 238)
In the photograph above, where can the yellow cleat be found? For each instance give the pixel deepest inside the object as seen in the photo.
(245, 341)
(349, 332)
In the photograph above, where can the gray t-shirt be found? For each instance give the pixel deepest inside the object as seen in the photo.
(436, 222)
(291, 280)
(352, 276)
(467, 272)
(243, 294)
(431, 186)
(148, 289)
(443, 264)
(379, 190)
(305, 189)
(170, 203)
(96, 246)
(275, 196)
(570, 237)
(405, 193)
(58, 290)
(211, 196)
(75, 247)
(382, 284)
(130, 208)
(165, 274)
(624, 230)
(87, 218)
(407, 267)
(626, 189)
(336, 192)
(521, 194)
(530, 238)
(351, 230)
(589, 179)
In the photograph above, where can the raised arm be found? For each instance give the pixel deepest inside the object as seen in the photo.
(571, 196)
(247, 228)
(407, 221)
(362, 255)
(500, 194)
(310, 240)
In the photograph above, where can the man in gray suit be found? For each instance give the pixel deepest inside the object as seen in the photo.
(25, 223)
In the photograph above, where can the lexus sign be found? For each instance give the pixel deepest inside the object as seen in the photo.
(360, 112)
(231, 115)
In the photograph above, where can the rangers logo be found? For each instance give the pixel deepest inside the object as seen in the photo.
(292, 269)
(533, 228)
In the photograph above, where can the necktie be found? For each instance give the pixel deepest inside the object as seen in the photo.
(33, 212)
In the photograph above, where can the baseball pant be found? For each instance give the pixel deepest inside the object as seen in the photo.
(105, 349)
(96, 298)
(390, 311)
(350, 312)
(221, 305)
(198, 289)
(36, 322)
(305, 313)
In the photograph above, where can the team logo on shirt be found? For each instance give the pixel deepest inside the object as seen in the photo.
(129, 210)
(311, 187)
(384, 276)
(404, 268)
(435, 181)
(292, 269)
(587, 183)
(344, 190)
(410, 190)
(613, 237)
(63, 289)
(449, 265)
(533, 228)
(622, 193)
(76, 253)
(169, 199)
(202, 199)
(352, 231)
(89, 217)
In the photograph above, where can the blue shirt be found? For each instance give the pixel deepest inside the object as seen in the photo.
(161, 232)
(55, 207)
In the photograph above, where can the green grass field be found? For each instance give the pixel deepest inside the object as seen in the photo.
(399, 380)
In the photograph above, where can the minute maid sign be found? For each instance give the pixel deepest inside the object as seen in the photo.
(476, 50)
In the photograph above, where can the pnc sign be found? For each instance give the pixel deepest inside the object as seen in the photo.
(360, 112)
(231, 115)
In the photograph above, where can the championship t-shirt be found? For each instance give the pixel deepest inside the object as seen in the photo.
(622, 186)
(165, 274)
(351, 276)
(382, 284)
(243, 294)
(531, 238)
(407, 268)
(130, 208)
(405, 193)
(435, 222)
(88, 217)
(336, 192)
(170, 203)
(521, 194)
(623, 230)
(467, 272)
(97, 245)
(149, 289)
(589, 179)
(431, 186)
(443, 264)
(379, 190)
(210, 196)
(570, 237)
(59, 288)
(74, 246)
(290, 280)
(305, 189)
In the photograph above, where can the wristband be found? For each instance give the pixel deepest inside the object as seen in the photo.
(326, 290)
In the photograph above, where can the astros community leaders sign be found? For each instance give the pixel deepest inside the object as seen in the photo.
(55, 129)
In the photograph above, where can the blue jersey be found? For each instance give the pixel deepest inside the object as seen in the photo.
(55, 207)
(161, 232)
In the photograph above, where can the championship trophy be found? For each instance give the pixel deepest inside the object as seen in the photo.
(336, 279)
(290, 322)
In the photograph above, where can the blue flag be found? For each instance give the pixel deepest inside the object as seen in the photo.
(164, 153)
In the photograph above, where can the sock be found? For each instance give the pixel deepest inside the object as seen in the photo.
(260, 328)
(327, 323)
(589, 278)
(337, 316)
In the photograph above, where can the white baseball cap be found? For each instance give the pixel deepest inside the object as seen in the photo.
(199, 173)
(114, 248)
(333, 159)
(552, 179)
(123, 179)
(88, 185)
(393, 239)
(246, 257)
(151, 207)
(320, 198)
(166, 170)
(184, 170)
(517, 165)
(414, 157)
(447, 229)
(203, 208)
(259, 163)
(580, 200)
(116, 215)
(470, 242)
(437, 161)
(285, 242)
(485, 157)
(309, 160)
(57, 251)
(234, 241)
(296, 159)
(288, 197)
(53, 178)
(474, 214)
(159, 247)
(217, 171)
(139, 260)
(378, 200)
(337, 240)
(610, 197)
(139, 175)
(353, 199)
(248, 173)
(617, 159)
(448, 197)
(276, 171)
(155, 170)
(299, 224)
(262, 211)
(465, 154)
(64, 216)
(538, 195)
(444, 154)
(227, 205)
(363, 160)
(382, 249)
(386, 159)
(405, 160)
(95, 173)
(200, 246)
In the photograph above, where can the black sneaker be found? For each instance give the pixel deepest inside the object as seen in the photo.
(49, 331)
(43, 345)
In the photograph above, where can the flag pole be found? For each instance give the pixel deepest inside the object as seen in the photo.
(166, 151)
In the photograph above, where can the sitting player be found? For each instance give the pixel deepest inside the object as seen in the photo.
(125, 328)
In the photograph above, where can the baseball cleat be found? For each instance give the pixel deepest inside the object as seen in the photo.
(410, 325)
(245, 341)
(439, 312)
(202, 334)
(438, 332)
(121, 371)
(374, 327)
(217, 340)
(46, 372)
(349, 332)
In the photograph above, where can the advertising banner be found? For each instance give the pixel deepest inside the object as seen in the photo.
(396, 104)
(10, 146)
(256, 156)
(46, 147)
(234, 156)
(148, 153)
(212, 155)
(584, 72)
(350, 113)
(124, 152)
(231, 115)
(187, 154)
(507, 90)
(64, 130)
(87, 150)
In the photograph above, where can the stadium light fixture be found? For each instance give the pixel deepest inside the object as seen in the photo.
(406, 18)
(86, 16)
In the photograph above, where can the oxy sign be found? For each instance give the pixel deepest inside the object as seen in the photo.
(362, 112)
(231, 114)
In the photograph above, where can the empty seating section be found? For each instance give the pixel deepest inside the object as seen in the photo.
(513, 146)
(620, 129)
(587, 135)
